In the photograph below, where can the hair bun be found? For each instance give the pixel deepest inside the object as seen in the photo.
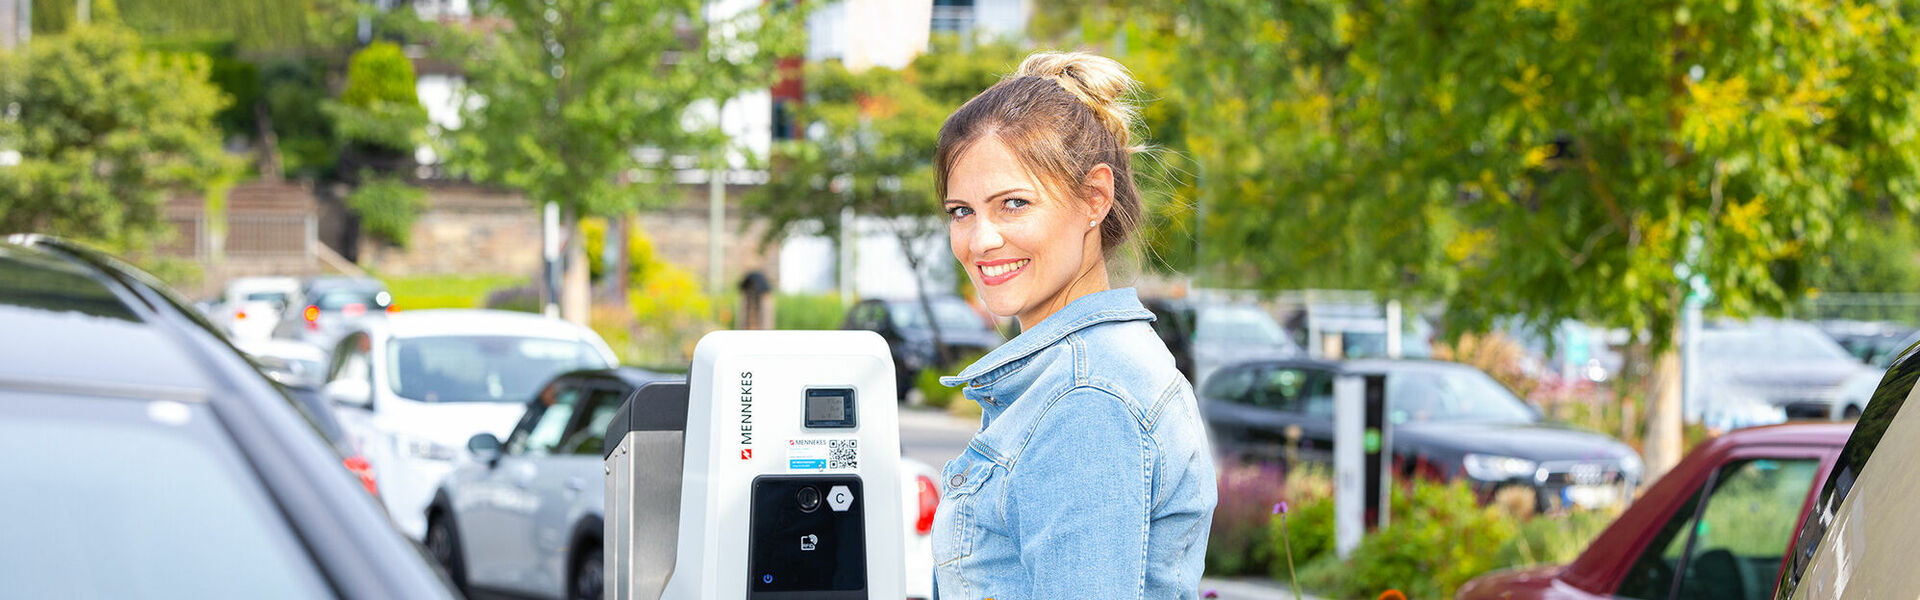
(1101, 83)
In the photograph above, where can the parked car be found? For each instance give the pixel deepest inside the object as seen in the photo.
(1571, 352)
(1446, 420)
(1787, 364)
(147, 458)
(1716, 525)
(909, 334)
(329, 307)
(412, 388)
(1873, 342)
(250, 307)
(1857, 539)
(1206, 336)
(525, 516)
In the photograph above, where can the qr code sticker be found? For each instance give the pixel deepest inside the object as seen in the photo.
(843, 454)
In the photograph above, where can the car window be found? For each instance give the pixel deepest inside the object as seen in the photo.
(182, 516)
(1452, 395)
(949, 314)
(1867, 432)
(350, 359)
(1231, 385)
(540, 430)
(1235, 324)
(1303, 391)
(481, 368)
(1730, 547)
(338, 299)
(588, 436)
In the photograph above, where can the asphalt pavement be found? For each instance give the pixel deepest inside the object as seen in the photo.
(935, 437)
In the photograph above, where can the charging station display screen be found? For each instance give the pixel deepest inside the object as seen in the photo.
(830, 408)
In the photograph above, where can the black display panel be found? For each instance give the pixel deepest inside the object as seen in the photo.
(807, 539)
(830, 408)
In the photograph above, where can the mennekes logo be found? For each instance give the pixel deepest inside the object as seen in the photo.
(746, 415)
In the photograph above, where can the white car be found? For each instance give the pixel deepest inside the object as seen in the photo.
(411, 389)
(525, 517)
(250, 306)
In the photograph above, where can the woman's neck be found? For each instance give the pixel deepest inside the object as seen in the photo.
(1094, 279)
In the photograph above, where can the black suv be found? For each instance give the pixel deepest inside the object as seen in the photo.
(146, 457)
(910, 337)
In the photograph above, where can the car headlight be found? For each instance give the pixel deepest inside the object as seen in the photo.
(423, 448)
(1631, 468)
(1488, 467)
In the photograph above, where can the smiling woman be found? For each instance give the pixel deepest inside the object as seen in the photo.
(1091, 477)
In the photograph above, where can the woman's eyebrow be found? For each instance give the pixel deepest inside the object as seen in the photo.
(991, 196)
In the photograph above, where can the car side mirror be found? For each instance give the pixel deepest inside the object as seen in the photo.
(485, 447)
(351, 391)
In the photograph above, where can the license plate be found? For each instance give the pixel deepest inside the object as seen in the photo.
(1591, 496)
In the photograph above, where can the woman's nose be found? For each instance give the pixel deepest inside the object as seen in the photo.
(986, 237)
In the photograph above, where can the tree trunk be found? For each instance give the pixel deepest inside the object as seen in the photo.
(576, 287)
(1663, 442)
(941, 356)
(267, 156)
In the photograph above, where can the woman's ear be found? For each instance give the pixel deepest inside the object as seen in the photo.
(1099, 187)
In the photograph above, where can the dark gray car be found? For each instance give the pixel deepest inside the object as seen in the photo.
(327, 308)
(1786, 364)
(147, 458)
(1447, 420)
(904, 324)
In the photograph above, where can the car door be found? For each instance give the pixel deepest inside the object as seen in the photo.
(504, 554)
(1727, 541)
(352, 359)
(1296, 418)
(571, 485)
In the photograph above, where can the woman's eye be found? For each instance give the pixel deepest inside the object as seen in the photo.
(959, 211)
(1016, 203)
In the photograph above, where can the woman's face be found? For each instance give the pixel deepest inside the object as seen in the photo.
(1028, 252)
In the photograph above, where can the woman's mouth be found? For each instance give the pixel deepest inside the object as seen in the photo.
(999, 272)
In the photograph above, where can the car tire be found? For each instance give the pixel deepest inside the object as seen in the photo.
(443, 543)
(1852, 412)
(589, 577)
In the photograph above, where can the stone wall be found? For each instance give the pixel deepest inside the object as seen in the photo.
(469, 229)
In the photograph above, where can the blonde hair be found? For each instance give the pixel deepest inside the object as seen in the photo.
(1062, 114)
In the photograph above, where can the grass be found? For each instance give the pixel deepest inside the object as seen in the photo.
(417, 292)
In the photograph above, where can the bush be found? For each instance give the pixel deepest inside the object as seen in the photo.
(1437, 541)
(523, 298)
(387, 208)
(640, 254)
(380, 107)
(1554, 540)
(932, 393)
(808, 311)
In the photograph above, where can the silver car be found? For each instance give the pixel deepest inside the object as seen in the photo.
(524, 517)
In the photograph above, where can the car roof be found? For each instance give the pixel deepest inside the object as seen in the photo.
(337, 282)
(1365, 366)
(474, 321)
(631, 376)
(67, 320)
(1808, 433)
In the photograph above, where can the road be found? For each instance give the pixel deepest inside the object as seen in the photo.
(934, 437)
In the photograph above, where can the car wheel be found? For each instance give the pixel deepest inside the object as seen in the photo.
(1852, 412)
(444, 544)
(589, 577)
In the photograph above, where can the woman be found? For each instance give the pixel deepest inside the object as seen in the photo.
(1090, 476)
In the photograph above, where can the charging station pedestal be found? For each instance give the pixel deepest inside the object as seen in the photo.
(1362, 459)
(752, 479)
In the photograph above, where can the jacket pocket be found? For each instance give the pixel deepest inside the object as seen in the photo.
(957, 521)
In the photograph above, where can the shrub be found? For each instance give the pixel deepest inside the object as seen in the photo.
(808, 311)
(523, 298)
(380, 107)
(1237, 543)
(932, 393)
(1438, 539)
(640, 253)
(1555, 539)
(387, 208)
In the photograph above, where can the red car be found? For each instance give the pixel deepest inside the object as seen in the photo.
(1714, 527)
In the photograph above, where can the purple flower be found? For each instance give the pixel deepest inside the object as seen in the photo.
(1281, 508)
(1211, 594)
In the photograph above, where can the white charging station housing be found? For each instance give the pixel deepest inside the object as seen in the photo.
(752, 396)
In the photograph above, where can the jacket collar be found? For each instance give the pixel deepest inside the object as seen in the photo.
(1086, 311)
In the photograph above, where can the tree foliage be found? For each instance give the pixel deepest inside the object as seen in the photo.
(560, 99)
(1566, 159)
(380, 108)
(105, 132)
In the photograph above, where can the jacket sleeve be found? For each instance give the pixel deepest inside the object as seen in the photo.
(1079, 497)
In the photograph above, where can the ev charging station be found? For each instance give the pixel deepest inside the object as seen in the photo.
(752, 479)
(1362, 459)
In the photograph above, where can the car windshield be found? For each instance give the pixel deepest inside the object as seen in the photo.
(1237, 325)
(952, 316)
(184, 516)
(1770, 343)
(338, 299)
(481, 368)
(1452, 395)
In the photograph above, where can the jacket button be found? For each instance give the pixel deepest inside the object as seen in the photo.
(958, 480)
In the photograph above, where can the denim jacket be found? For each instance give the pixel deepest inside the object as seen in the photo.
(1090, 476)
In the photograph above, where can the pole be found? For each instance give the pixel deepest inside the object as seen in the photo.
(1393, 329)
(1690, 407)
(83, 12)
(716, 216)
(1349, 498)
(848, 237)
(550, 263)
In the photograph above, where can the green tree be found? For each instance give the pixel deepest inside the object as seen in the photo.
(380, 109)
(869, 145)
(564, 94)
(1579, 159)
(105, 133)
